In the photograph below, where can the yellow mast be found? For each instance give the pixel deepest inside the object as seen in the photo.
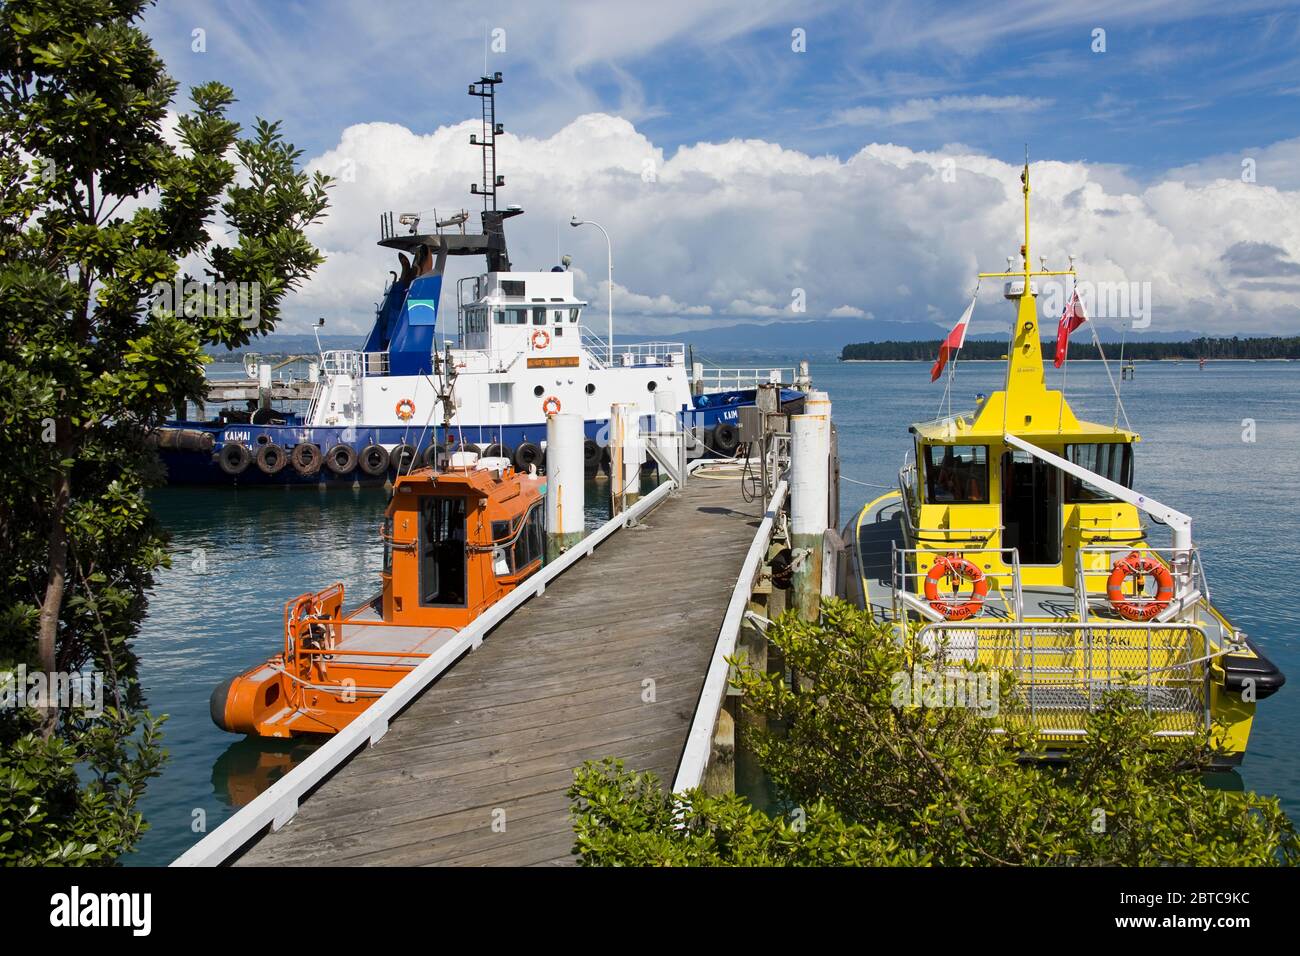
(1026, 390)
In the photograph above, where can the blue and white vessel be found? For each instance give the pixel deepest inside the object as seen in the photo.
(518, 350)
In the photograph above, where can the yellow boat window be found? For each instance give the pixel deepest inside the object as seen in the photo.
(1113, 460)
(957, 474)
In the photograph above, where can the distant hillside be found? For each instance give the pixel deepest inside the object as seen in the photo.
(1209, 348)
(283, 344)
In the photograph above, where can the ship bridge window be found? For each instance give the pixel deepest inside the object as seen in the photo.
(512, 287)
(513, 316)
(539, 316)
(1113, 460)
(442, 552)
(573, 315)
(529, 544)
(957, 474)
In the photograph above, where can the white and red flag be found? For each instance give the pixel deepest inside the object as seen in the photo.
(955, 340)
(1071, 319)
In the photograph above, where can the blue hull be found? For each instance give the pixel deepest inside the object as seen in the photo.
(202, 468)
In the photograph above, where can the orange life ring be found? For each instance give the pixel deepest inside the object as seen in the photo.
(1138, 566)
(406, 409)
(551, 406)
(541, 339)
(955, 566)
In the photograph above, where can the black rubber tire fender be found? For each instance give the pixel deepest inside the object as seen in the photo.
(403, 457)
(306, 458)
(373, 460)
(341, 459)
(234, 458)
(726, 438)
(271, 458)
(528, 454)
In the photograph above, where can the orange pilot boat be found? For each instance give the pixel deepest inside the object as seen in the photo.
(455, 543)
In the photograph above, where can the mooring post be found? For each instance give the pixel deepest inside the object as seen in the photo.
(564, 482)
(625, 456)
(803, 380)
(809, 507)
(666, 440)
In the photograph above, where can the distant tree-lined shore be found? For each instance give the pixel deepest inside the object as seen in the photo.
(1276, 347)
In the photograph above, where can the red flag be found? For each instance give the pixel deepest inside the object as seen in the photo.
(1071, 319)
(956, 338)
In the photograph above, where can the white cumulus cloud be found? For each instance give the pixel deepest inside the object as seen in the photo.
(720, 231)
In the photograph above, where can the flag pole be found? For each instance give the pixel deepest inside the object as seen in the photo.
(1065, 363)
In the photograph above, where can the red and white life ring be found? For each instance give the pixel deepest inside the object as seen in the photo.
(1139, 566)
(956, 568)
(406, 409)
(541, 339)
(551, 406)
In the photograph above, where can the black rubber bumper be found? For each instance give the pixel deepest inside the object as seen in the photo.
(217, 703)
(1257, 672)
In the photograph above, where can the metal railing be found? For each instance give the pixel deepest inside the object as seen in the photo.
(354, 363)
(1091, 577)
(277, 805)
(734, 379)
(634, 353)
(699, 740)
(1063, 669)
(1006, 583)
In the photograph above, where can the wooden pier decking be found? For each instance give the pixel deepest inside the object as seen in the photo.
(475, 771)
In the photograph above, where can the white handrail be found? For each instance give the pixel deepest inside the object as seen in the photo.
(277, 805)
(699, 742)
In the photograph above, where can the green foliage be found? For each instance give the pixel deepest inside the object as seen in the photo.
(51, 816)
(99, 205)
(626, 819)
(882, 784)
(1261, 347)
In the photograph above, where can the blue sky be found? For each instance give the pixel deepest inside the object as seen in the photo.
(1182, 92)
(1177, 81)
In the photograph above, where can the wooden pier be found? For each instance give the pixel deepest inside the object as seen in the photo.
(608, 661)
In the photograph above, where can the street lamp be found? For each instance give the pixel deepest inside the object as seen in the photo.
(609, 248)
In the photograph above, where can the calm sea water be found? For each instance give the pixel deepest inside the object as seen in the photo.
(239, 555)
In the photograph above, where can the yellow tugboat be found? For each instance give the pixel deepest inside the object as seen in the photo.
(1017, 540)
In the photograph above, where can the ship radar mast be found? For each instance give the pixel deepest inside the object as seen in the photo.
(491, 242)
(1026, 388)
(485, 90)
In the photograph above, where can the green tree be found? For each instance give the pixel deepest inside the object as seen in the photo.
(100, 206)
(884, 784)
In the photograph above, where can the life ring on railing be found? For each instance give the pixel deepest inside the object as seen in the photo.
(406, 409)
(551, 406)
(957, 567)
(541, 339)
(1139, 565)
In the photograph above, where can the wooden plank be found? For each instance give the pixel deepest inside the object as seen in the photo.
(558, 683)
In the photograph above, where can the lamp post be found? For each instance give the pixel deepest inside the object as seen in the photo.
(609, 249)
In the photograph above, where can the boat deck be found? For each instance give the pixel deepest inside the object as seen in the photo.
(609, 661)
(880, 530)
(391, 638)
